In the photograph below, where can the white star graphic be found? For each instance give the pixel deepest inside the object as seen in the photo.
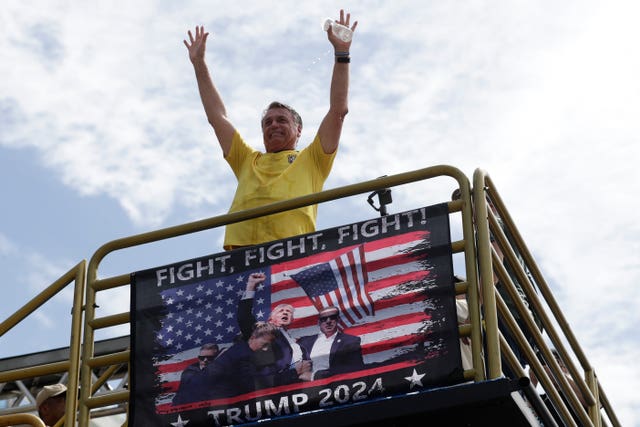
(180, 422)
(415, 379)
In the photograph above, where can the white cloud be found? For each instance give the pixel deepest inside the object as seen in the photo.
(543, 95)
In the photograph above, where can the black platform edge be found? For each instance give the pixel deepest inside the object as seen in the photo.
(468, 404)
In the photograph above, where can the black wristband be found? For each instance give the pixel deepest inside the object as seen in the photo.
(343, 59)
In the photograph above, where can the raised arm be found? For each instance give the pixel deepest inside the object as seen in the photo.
(246, 319)
(331, 126)
(211, 99)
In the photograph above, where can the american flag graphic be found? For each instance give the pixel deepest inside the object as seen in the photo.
(341, 283)
(392, 276)
(206, 312)
(397, 285)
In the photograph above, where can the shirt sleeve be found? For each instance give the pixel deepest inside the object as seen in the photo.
(239, 153)
(322, 160)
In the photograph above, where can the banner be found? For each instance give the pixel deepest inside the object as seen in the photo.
(313, 322)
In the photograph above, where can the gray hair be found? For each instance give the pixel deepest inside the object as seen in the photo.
(276, 104)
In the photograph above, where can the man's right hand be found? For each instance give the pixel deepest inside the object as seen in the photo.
(303, 366)
(254, 279)
(197, 45)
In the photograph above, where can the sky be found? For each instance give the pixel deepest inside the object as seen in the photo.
(102, 136)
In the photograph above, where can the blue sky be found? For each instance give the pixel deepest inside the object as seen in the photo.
(102, 136)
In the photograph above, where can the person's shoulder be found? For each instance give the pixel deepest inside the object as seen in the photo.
(231, 353)
(191, 369)
(347, 337)
(315, 152)
(240, 147)
(314, 144)
(308, 339)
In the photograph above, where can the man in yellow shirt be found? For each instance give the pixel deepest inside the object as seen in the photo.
(282, 172)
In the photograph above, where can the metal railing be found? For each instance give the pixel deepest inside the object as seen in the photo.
(10, 420)
(493, 222)
(483, 217)
(71, 367)
(96, 285)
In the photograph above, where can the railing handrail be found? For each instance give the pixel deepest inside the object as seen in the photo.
(9, 420)
(478, 224)
(486, 225)
(94, 284)
(285, 205)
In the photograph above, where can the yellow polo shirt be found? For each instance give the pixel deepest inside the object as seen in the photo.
(265, 178)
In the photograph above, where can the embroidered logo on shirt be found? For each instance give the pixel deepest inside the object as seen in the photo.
(291, 157)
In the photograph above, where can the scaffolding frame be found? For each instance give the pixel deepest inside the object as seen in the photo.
(483, 216)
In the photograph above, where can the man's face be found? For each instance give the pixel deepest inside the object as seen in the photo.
(52, 409)
(206, 356)
(279, 130)
(328, 322)
(282, 315)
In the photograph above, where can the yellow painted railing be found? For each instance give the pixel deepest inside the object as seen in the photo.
(10, 420)
(483, 217)
(492, 219)
(70, 367)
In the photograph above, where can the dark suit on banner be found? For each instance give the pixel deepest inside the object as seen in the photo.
(345, 355)
(194, 384)
(279, 359)
(233, 372)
